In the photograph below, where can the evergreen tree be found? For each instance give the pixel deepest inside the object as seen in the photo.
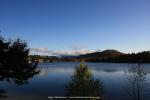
(83, 84)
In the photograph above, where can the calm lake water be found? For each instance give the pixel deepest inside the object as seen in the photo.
(118, 81)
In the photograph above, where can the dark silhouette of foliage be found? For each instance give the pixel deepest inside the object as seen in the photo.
(2, 93)
(141, 57)
(33, 58)
(83, 84)
(14, 64)
(115, 57)
(14, 56)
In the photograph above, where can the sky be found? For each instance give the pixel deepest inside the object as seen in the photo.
(57, 27)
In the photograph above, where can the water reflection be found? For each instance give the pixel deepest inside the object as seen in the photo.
(54, 76)
(2, 93)
(18, 76)
(137, 85)
(83, 84)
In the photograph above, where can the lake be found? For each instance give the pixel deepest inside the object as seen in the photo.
(118, 81)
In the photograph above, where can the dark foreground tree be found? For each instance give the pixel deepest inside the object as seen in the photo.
(83, 84)
(14, 64)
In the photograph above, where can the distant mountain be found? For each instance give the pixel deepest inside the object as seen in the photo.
(110, 53)
(112, 56)
(71, 57)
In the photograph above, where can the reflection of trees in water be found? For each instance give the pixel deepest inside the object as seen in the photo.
(137, 83)
(83, 84)
(19, 77)
(2, 93)
(14, 64)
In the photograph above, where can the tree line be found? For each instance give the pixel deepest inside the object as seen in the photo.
(140, 57)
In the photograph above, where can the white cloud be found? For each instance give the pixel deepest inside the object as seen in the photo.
(73, 51)
(39, 49)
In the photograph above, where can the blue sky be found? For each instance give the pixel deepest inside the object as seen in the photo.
(77, 25)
